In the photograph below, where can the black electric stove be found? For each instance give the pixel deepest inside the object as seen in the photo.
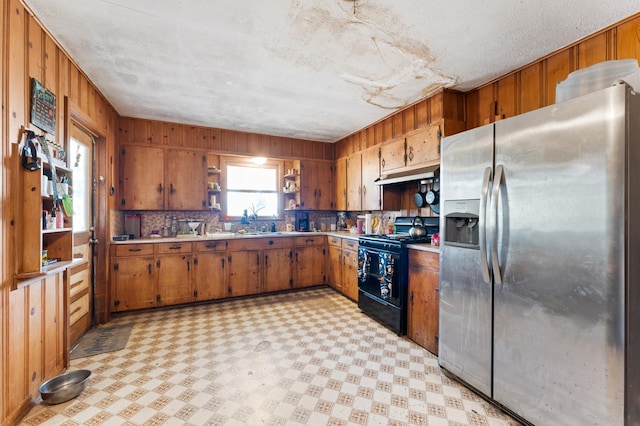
(383, 272)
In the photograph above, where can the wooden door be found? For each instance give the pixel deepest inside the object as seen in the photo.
(174, 279)
(334, 267)
(423, 306)
(142, 181)
(392, 155)
(350, 274)
(354, 182)
(277, 269)
(324, 186)
(210, 276)
(135, 285)
(370, 172)
(186, 180)
(84, 235)
(423, 147)
(340, 184)
(308, 270)
(245, 272)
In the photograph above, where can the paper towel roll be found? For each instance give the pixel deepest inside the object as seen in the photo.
(368, 226)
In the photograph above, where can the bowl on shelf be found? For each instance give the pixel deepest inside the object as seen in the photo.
(64, 387)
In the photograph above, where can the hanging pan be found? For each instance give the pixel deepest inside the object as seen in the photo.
(419, 198)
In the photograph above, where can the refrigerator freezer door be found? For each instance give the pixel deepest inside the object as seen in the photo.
(559, 312)
(465, 297)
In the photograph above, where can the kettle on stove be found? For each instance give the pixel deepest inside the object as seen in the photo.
(417, 230)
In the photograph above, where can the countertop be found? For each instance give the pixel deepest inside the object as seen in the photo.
(232, 236)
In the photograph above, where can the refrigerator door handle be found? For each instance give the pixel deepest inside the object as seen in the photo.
(484, 258)
(495, 262)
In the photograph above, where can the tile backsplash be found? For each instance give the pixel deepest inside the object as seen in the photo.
(155, 220)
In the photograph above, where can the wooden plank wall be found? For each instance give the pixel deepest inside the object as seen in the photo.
(29, 51)
(534, 86)
(530, 87)
(139, 131)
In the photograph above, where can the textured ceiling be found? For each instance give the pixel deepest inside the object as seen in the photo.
(311, 69)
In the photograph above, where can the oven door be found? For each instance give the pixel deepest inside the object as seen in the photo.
(380, 274)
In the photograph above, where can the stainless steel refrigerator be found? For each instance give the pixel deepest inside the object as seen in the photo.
(540, 260)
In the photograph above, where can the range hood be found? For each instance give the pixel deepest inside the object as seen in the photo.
(409, 175)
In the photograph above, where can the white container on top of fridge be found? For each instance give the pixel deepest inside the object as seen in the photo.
(598, 77)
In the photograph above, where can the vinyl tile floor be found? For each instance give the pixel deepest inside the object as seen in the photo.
(300, 358)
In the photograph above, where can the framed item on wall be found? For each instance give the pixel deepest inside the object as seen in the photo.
(43, 107)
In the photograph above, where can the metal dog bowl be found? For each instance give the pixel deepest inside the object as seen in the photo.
(64, 387)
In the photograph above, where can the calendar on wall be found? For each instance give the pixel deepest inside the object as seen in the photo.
(43, 107)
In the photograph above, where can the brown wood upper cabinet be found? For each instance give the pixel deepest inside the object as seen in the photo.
(362, 169)
(153, 178)
(418, 148)
(316, 185)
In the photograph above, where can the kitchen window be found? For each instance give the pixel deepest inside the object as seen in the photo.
(252, 187)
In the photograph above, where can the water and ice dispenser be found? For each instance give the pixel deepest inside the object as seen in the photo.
(461, 223)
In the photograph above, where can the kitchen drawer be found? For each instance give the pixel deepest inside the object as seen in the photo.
(134, 249)
(78, 309)
(208, 246)
(309, 241)
(171, 248)
(334, 241)
(425, 260)
(246, 244)
(280, 242)
(349, 244)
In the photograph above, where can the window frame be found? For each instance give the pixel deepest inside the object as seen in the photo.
(247, 162)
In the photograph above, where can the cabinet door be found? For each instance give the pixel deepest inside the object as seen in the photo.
(350, 274)
(210, 276)
(354, 182)
(134, 279)
(53, 335)
(142, 178)
(324, 186)
(423, 306)
(423, 147)
(245, 271)
(308, 270)
(334, 267)
(370, 172)
(392, 155)
(186, 180)
(35, 333)
(277, 269)
(308, 184)
(340, 187)
(174, 279)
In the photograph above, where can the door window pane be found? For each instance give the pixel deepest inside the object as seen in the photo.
(81, 195)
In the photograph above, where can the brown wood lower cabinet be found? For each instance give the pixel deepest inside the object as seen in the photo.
(343, 266)
(133, 277)
(350, 268)
(210, 272)
(245, 272)
(308, 261)
(423, 309)
(278, 266)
